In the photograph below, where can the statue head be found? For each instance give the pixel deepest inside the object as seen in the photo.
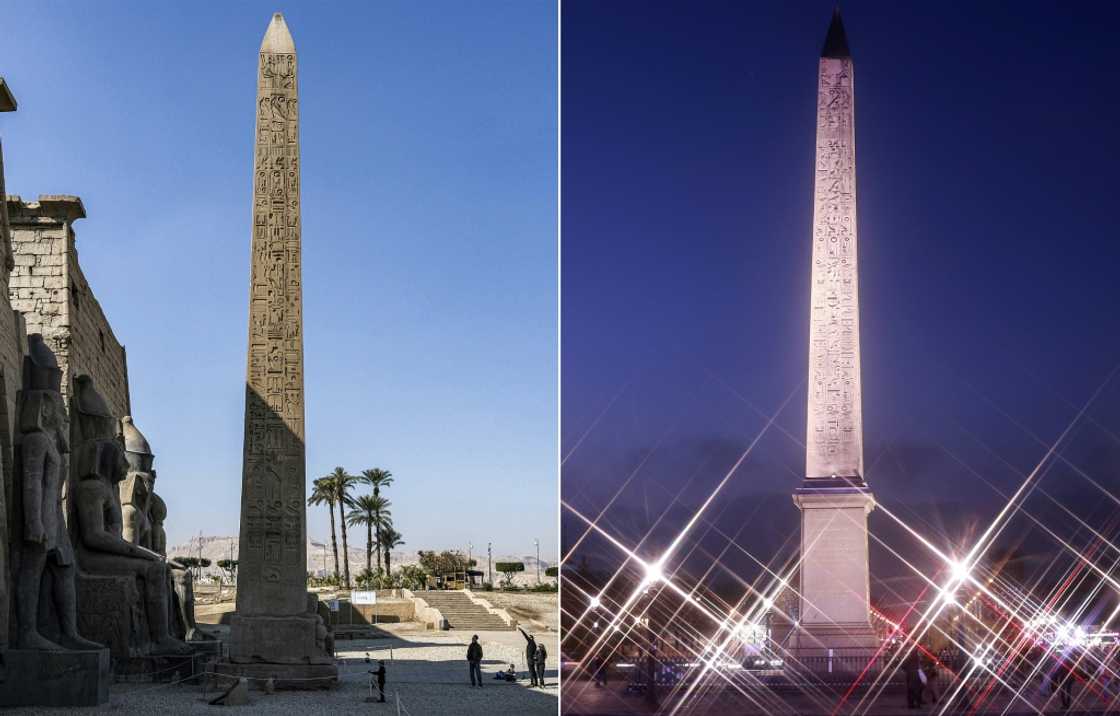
(95, 420)
(43, 411)
(135, 490)
(136, 448)
(157, 510)
(102, 459)
(40, 367)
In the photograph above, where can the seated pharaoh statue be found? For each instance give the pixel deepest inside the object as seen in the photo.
(41, 548)
(100, 466)
(144, 512)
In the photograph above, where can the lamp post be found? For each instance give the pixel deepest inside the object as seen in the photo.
(489, 571)
(537, 542)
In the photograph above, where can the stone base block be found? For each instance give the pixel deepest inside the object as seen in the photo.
(276, 640)
(54, 678)
(819, 639)
(288, 677)
(112, 614)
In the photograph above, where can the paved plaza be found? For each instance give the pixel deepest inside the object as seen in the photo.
(582, 698)
(427, 671)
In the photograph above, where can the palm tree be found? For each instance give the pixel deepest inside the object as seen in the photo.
(377, 478)
(323, 493)
(390, 538)
(343, 483)
(373, 512)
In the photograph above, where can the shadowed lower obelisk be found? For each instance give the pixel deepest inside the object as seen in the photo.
(834, 499)
(276, 632)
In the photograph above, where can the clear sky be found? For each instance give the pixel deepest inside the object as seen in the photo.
(428, 140)
(986, 148)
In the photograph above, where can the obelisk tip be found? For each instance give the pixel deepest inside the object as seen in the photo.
(277, 39)
(836, 42)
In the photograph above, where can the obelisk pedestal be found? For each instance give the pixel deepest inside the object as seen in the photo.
(835, 598)
(276, 632)
(834, 500)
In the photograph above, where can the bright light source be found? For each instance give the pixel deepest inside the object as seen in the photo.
(654, 572)
(959, 570)
(595, 603)
(949, 596)
(767, 603)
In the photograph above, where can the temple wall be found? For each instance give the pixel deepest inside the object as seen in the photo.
(47, 285)
(94, 349)
(13, 344)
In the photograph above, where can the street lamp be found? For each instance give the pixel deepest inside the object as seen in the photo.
(537, 542)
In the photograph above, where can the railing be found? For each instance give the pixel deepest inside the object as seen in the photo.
(843, 669)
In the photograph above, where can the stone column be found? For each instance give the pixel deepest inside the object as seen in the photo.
(834, 499)
(274, 634)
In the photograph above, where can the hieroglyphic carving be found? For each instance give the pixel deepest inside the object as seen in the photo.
(834, 440)
(272, 560)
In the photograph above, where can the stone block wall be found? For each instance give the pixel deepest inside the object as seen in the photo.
(13, 345)
(47, 285)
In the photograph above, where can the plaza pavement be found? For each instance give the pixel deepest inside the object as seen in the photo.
(427, 671)
(582, 698)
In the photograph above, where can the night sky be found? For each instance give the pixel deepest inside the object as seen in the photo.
(986, 152)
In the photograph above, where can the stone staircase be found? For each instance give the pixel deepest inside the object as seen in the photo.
(461, 613)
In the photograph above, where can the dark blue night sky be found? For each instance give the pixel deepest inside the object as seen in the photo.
(987, 153)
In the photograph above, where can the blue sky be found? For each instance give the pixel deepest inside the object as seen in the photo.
(429, 240)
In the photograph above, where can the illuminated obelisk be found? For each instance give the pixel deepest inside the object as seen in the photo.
(834, 499)
(276, 632)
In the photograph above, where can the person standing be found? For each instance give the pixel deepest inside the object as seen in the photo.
(910, 666)
(380, 673)
(1066, 671)
(530, 656)
(540, 657)
(929, 668)
(474, 660)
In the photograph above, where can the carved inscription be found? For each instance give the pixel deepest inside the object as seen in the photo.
(273, 545)
(834, 440)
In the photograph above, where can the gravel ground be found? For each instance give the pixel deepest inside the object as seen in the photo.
(428, 672)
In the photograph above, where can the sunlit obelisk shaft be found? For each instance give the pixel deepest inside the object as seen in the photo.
(272, 577)
(834, 499)
(276, 632)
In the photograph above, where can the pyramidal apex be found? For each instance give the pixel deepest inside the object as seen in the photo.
(277, 39)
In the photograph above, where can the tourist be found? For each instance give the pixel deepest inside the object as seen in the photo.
(380, 673)
(929, 684)
(597, 668)
(911, 666)
(539, 658)
(530, 656)
(474, 660)
(1065, 672)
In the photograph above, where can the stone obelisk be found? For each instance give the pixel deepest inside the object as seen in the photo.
(834, 499)
(276, 632)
